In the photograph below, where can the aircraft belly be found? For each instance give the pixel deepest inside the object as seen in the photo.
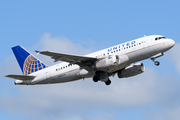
(74, 74)
(142, 54)
(148, 52)
(162, 47)
(133, 56)
(64, 77)
(67, 77)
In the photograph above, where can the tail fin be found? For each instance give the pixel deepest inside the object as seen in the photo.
(27, 62)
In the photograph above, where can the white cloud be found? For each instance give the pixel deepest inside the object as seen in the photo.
(170, 113)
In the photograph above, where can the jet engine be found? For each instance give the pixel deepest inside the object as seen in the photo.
(113, 60)
(132, 70)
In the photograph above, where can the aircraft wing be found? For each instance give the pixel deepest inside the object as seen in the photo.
(82, 61)
(21, 77)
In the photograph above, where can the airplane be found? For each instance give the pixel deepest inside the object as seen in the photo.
(120, 59)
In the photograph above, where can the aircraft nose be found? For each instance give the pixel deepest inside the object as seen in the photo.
(171, 43)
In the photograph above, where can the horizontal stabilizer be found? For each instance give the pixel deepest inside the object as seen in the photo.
(21, 77)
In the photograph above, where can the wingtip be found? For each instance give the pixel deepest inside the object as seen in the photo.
(37, 52)
(6, 76)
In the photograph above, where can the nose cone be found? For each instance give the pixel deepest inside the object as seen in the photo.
(171, 43)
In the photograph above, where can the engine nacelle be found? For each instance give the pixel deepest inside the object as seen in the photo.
(114, 60)
(132, 70)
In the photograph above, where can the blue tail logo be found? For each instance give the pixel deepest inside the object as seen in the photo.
(27, 62)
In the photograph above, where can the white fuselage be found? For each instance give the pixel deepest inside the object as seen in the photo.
(135, 50)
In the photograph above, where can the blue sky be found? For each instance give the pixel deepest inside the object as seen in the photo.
(80, 27)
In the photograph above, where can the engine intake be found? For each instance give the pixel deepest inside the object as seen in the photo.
(132, 70)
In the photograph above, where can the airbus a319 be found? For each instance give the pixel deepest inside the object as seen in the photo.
(121, 59)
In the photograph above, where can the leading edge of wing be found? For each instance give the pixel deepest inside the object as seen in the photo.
(21, 77)
(67, 57)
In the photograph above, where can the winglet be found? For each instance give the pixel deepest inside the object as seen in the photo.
(37, 52)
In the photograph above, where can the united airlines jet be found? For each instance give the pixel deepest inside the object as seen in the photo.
(120, 59)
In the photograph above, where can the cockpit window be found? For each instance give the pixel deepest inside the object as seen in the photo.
(158, 38)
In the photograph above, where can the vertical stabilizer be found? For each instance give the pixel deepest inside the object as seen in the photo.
(27, 62)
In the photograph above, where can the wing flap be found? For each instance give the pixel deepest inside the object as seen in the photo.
(21, 77)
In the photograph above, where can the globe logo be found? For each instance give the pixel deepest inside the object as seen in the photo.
(32, 64)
